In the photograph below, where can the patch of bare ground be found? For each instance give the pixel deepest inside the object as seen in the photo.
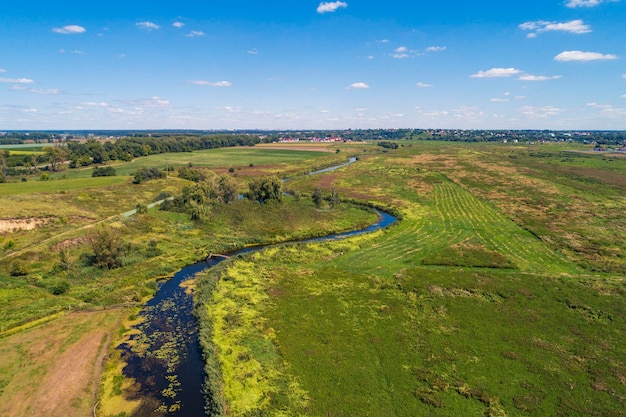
(54, 369)
(29, 223)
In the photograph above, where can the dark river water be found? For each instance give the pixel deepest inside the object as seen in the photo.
(164, 357)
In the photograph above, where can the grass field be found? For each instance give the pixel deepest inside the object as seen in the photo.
(499, 292)
(238, 158)
(32, 187)
(475, 303)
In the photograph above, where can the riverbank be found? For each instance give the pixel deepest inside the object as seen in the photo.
(160, 353)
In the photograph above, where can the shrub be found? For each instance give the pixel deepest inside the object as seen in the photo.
(318, 198)
(60, 287)
(108, 248)
(141, 208)
(146, 174)
(162, 196)
(18, 269)
(265, 189)
(103, 172)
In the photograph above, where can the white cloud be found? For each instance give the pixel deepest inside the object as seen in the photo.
(70, 30)
(329, 7)
(359, 85)
(178, 24)
(3, 70)
(599, 106)
(95, 104)
(253, 51)
(529, 77)
(496, 73)
(400, 52)
(540, 112)
(211, 83)
(148, 25)
(623, 96)
(499, 100)
(583, 56)
(572, 4)
(194, 33)
(153, 102)
(573, 26)
(436, 48)
(17, 80)
(623, 75)
(423, 85)
(52, 91)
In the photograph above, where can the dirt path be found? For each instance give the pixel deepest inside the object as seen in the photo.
(53, 370)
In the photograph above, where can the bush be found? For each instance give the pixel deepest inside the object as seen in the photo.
(60, 287)
(162, 196)
(103, 172)
(318, 198)
(108, 248)
(141, 208)
(146, 174)
(18, 269)
(265, 189)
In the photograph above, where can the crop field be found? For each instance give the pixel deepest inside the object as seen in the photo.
(238, 158)
(499, 292)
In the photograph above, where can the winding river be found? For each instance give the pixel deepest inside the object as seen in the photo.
(164, 355)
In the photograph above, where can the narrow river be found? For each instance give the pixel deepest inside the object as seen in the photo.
(164, 357)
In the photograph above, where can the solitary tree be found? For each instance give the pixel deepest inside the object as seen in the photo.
(265, 189)
(56, 155)
(108, 248)
(318, 198)
(333, 200)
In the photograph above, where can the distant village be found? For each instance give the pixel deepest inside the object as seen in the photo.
(606, 141)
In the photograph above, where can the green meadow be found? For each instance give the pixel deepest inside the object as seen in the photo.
(500, 292)
(239, 159)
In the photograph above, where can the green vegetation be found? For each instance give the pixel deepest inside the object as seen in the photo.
(499, 293)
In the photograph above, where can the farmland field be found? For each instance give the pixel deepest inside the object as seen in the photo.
(500, 292)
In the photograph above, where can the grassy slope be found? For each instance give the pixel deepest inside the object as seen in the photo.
(380, 325)
(74, 205)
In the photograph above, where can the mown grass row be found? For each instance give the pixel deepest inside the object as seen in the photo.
(456, 310)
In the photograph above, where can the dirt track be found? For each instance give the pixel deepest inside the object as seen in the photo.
(53, 370)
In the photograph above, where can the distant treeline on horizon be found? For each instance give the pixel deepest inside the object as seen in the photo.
(588, 136)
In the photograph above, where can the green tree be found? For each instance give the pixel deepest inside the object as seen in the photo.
(265, 189)
(3, 163)
(334, 199)
(108, 248)
(141, 208)
(56, 155)
(227, 188)
(318, 197)
(18, 269)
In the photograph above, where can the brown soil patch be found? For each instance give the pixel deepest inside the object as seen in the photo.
(54, 369)
(68, 244)
(31, 223)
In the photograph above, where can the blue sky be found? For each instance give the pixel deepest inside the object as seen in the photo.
(533, 64)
